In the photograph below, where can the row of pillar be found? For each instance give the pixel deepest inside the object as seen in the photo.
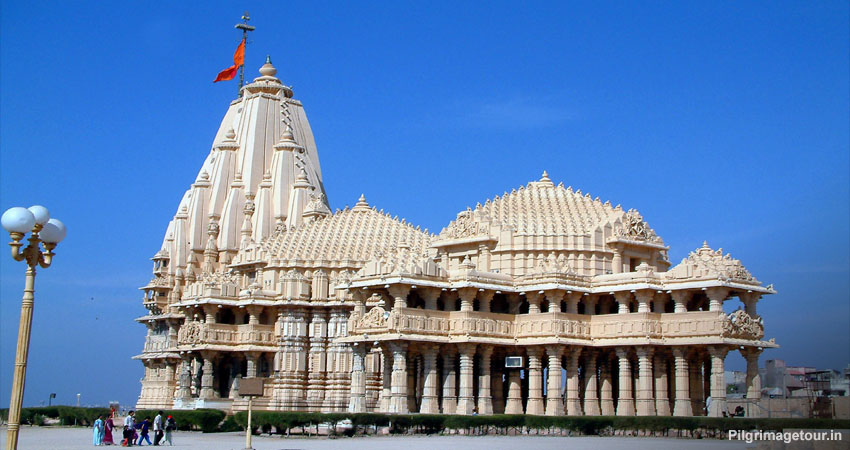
(591, 387)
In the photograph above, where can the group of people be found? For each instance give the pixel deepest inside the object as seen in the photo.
(162, 428)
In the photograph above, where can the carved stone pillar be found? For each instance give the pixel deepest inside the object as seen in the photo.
(430, 400)
(680, 299)
(399, 294)
(429, 296)
(317, 358)
(449, 382)
(535, 381)
(207, 391)
(623, 298)
(591, 399)
(484, 298)
(659, 303)
(357, 402)
(752, 354)
(251, 359)
(716, 295)
(749, 299)
(606, 397)
(718, 381)
(466, 394)
(387, 377)
(662, 402)
(485, 398)
(554, 298)
(625, 402)
(645, 402)
(573, 402)
(534, 299)
(644, 299)
(398, 402)
(254, 312)
(209, 313)
(467, 298)
(514, 404)
(554, 401)
(617, 260)
(572, 302)
(185, 380)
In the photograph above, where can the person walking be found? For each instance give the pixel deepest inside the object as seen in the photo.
(97, 431)
(170, 426)
(129, 429)
(157, 428)
(108, 426)
(144, 429)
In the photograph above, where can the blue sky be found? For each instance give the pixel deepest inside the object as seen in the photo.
(720, 121)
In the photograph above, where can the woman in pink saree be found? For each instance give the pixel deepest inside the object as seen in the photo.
(107, 431)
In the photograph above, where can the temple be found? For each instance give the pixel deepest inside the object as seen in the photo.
(543, 300)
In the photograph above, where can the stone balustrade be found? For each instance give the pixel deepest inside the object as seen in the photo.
(226, 334)
(157, 344)
(485, 325)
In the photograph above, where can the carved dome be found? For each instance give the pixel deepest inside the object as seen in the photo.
(347, 238)
(543, 208)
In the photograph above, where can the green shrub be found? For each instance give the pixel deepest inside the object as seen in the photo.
(206, 420)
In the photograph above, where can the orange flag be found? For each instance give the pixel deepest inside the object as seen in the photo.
(238, 60)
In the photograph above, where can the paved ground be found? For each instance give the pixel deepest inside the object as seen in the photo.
(37, 438)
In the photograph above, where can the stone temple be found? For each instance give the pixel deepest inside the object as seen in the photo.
(543, 300)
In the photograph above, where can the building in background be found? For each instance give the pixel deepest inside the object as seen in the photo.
(543, 300)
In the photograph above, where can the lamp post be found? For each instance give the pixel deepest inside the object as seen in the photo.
(43, 230)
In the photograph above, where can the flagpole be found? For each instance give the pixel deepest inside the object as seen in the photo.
(245, 29)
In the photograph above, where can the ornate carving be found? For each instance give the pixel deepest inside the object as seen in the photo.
(705, 262)
(189, 333)
(464, 226)
(635, 228)
(740, 325)
(375, 318)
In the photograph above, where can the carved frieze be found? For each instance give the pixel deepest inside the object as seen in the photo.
(740, 325)
(375, 318)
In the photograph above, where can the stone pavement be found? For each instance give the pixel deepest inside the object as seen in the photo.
(67, 438)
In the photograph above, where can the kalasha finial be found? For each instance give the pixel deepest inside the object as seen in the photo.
(268, 70)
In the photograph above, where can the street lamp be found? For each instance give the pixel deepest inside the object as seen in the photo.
(18, 221)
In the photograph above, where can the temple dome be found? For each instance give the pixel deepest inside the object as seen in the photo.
(541, 207)
(347, 238)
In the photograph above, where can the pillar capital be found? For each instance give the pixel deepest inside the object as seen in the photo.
(644, 352)
(467, 297)
(555, 350)
(644, 295)
(716, 296)
(429, 296)
(555, 295)
(681, 296)
(622, 352)
(718, 351)
(399, 294)
(680, 352)
(535, 352)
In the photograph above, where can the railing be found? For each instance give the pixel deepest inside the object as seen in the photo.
(414, 321)
(157, 344)
(220, 333)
